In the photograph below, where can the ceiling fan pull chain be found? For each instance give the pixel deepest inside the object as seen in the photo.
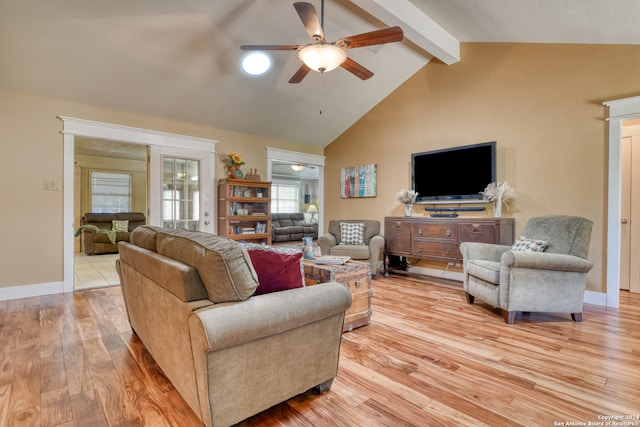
(321, 90)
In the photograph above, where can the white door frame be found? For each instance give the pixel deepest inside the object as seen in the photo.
(619, 110)
(73, 127)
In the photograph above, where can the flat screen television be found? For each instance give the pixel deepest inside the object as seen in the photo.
(453, 175)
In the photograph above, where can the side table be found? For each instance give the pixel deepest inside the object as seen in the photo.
(356, 276)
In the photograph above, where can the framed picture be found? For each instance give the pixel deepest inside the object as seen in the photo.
(358, 181)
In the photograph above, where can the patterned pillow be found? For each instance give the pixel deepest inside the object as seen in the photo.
(533, 245)
(120, 225)
(352, 233)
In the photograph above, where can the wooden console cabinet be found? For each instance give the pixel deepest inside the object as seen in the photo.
(439, 239)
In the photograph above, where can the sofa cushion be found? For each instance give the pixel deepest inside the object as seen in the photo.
(486, 270)
(224, 265)
(278, 269)
(351, 233)
(178, 278)
(145, 237)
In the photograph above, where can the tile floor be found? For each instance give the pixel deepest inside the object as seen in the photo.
(95, 271)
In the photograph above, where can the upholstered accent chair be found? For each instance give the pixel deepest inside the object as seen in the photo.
(359, 239)
(544, 271)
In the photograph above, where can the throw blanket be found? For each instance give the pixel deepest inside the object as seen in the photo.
(110, 233)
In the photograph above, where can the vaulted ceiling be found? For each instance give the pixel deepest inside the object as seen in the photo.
(179, 59)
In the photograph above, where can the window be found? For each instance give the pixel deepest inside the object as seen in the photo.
(110, 192)
(285, 197)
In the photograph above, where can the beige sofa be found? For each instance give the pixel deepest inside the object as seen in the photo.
(189, 298)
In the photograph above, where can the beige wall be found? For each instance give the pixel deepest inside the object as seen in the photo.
(32, 151)
(541, 103)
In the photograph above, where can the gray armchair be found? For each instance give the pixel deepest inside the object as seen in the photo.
(333, 242)
(552, 280)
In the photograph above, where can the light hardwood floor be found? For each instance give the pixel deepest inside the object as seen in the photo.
(427, 359)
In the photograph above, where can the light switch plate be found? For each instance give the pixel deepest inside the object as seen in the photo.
(51, 184)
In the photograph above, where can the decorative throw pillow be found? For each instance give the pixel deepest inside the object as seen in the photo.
(278, 269)
(120, 225)
(533, 245)
(352, 233)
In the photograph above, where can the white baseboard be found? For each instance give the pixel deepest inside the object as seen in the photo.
(443, 274)
(595, 298)
(27, 291)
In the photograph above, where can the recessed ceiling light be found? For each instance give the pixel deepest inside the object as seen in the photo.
(256, 63)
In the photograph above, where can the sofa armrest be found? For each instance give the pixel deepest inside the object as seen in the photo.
(326, 242)
(545, 261)
(484, 251)
(231, 324)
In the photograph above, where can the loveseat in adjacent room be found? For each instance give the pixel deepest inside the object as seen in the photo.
(286, 227)
(101, 232)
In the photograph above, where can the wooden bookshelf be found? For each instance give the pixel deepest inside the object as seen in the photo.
(244, 210)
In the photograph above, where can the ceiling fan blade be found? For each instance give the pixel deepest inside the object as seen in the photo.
(310, 19)
(386, 35)
(300, 74)
(269, 47)
(356, 69)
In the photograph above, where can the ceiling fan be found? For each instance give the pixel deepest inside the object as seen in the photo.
(323, 56)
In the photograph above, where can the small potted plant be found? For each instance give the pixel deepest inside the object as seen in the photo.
(235, 161)
(408, 198)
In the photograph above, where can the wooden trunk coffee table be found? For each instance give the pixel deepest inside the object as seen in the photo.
(356, 276)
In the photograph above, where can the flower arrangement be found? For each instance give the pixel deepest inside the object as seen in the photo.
(407, 197)
(499, 193)
(235, 159)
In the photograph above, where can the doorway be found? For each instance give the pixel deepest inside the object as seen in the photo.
(618, 111)
(277, 158)
(103, 166)
(160, 144)
(630, 207)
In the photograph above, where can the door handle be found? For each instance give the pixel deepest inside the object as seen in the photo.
(624, 221)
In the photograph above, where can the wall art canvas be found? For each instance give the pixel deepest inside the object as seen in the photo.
(358, 181)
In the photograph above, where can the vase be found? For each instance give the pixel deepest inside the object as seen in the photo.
(497, 208)
(408, 209)
(307, 247)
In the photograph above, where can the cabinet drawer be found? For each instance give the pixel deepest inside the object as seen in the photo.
(435, 231)
(443, 250)
(398, 236)
(477, 232)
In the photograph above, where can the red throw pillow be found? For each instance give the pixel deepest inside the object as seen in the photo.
(276, 271)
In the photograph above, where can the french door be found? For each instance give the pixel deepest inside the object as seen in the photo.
(180, 189)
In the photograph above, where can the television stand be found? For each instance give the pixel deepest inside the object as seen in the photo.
(438, 239)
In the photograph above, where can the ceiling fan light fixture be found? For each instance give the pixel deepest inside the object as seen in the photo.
(322, 57)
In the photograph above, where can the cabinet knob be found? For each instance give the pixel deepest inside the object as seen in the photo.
(420, 249)
(448, 251)
(420, 231)
(448, 233)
